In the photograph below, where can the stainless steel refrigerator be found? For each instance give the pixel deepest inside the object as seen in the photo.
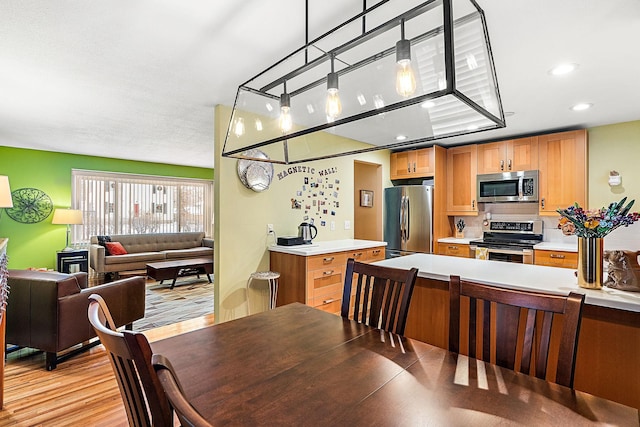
(408, 212)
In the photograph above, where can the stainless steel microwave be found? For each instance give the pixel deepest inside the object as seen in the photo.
(520, 186)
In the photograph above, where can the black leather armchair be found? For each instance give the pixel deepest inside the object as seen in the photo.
(48, 310)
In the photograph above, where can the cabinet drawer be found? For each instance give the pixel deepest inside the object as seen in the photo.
(328, 304)
(326, 281)
(375, 254)
(556, 259)
(359, 255)
(328, 260)
(454, 249)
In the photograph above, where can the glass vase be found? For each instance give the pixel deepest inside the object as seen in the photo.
(590, 251)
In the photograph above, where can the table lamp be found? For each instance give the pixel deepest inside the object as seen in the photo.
(68, 217)
(5, 192)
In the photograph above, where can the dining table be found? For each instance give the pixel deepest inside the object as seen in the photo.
(299, 366)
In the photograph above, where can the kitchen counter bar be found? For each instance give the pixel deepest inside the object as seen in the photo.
(528, 277)
(609, 341)
(327, 247)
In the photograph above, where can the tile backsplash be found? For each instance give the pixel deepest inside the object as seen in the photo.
(623, 238)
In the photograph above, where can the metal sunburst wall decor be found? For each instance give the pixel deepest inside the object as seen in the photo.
(30, 206)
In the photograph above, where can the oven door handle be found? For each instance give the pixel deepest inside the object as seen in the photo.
(509, 251)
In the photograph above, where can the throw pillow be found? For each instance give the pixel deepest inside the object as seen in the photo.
(116, 248)
(102, 240)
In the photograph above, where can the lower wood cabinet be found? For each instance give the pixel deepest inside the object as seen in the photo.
(455, 249)
(556, 258)
(317, 280)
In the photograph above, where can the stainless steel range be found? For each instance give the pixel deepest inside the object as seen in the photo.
(510, 241)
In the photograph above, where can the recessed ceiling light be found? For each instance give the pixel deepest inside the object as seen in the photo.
(428, 104)
(581, 106)
(401, 137)
(562, 69)
(509, 113)
(472, 127)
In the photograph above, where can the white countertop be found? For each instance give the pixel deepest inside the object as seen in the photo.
(318, 248)
(530, 277)
(557, 246)
(460, 241)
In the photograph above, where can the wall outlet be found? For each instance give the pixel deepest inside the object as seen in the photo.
(347, 225)
(333, 225)
(269, 228)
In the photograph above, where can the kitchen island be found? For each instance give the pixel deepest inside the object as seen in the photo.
(314, 274)
(609, 340)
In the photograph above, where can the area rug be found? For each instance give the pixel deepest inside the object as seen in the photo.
(190, 298)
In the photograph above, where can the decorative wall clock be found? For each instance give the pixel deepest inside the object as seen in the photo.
(30, 205)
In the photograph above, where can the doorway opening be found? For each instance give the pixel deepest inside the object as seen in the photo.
(367, 201)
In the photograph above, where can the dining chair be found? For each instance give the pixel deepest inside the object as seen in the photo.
(381, 295)
(145, 403)
(516, 327)
(187, 414)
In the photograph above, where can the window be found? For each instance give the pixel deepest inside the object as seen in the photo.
(118, 203)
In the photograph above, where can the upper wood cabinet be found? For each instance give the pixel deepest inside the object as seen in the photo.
(506, 156)
(563, 170)
(412, 164)
(461, 180)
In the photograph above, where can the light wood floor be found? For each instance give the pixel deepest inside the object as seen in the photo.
(81, 391)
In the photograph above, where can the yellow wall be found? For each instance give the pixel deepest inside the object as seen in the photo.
(614, 147)
(242, 215)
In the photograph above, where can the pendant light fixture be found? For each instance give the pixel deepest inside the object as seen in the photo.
(333, 106)
(286, 123)
(405, 77)
(369, 111)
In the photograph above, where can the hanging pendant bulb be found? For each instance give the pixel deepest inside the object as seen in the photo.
(285, 121)
(405, 77)
(333, 106)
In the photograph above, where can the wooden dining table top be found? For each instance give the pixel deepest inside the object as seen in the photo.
(299, 366)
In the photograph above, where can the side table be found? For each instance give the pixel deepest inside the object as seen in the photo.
(65, 259)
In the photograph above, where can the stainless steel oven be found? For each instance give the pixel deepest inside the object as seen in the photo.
(510, 241)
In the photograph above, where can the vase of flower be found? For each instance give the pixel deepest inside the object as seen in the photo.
(590, 250)
(591, 226)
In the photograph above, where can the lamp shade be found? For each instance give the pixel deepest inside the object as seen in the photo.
(67, 216)
(5, 192)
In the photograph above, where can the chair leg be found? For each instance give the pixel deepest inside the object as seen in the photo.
(51, 361)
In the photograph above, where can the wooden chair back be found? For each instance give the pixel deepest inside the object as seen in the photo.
(187, 414)
(130, 355)
(515, 327)
(381, 295)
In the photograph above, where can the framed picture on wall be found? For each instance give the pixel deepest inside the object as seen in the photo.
(366, 198)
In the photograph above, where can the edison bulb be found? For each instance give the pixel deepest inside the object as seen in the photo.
(285, 119)
(333, 107)
(405, 79)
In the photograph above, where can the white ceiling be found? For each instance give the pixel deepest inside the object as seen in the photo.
(138, 79)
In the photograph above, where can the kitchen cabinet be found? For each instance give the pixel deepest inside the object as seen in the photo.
(461, 180)
(317, 280)
(563, 170)
(412, 164)
(507, 156)
(556, 258)
(455, 249)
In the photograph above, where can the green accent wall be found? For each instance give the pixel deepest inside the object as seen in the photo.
(35, 245)
(614, 147)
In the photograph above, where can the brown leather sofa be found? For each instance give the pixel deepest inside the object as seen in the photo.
(48, 310)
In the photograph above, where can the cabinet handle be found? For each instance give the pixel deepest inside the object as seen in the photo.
(414, 166)
(501, 165)
(328, 301)
(408, 167)
(452, 247)
(328, 272)
(328, 260)
(558, 256)
(473, 204)
(542, 203)
(509, 164)
(357, 255)
(376, 252)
